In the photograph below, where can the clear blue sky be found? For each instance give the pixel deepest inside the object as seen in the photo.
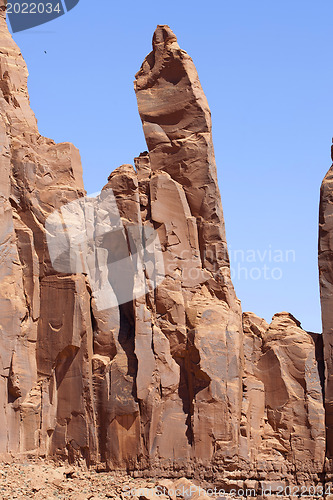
(266, 68)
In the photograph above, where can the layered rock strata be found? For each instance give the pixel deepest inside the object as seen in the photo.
(150, 368)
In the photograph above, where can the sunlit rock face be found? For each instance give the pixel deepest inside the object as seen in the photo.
(283, 419)
(121, 337)
(196, 307)
(45, 323)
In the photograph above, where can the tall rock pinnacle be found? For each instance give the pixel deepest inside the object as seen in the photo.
(177, 125)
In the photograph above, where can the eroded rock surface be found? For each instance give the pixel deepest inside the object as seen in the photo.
(283, 414)
(46, 335)
(154, 368)
(326, 294)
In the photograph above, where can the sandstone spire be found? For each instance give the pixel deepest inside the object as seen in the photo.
(177, 126)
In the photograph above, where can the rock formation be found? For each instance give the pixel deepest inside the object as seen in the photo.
(166, 376)
(45, 352)
(326, 295)
(283, 410)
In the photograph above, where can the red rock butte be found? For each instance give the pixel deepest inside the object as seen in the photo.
(178, 380)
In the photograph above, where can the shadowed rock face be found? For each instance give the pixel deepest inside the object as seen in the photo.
(173, 379)
(326, 294)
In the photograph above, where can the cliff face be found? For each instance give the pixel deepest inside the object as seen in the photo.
(326, 295)
(283, 408)
(39, 344)
(140, 363)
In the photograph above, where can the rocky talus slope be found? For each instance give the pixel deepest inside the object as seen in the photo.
(173, 381)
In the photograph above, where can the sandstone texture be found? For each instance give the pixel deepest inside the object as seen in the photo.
(122, 341)
(283, 414)
(326, 293)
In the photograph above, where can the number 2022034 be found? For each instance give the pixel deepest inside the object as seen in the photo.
(33, 8)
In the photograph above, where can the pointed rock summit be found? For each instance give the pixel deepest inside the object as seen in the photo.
(177, 125)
